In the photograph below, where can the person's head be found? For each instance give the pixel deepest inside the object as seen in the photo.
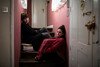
(24, 17)
(61, 32)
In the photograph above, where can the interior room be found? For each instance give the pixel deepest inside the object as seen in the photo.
(81, 21)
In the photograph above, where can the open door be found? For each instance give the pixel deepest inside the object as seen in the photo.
(84, 33)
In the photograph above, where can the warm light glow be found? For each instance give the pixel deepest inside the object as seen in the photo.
(55, 4)
(24, 4)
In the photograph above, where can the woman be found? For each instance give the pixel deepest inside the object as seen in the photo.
(53, 48)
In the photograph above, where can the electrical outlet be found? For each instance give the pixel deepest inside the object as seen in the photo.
(4, 9)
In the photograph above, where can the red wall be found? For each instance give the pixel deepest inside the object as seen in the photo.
(17, 11)
(58, 18)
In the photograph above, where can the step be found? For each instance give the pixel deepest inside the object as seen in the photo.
(32, 60)
(33, 63)
(49, 29)
(28, 54)
(26, 47)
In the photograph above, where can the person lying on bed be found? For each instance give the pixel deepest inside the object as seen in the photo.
(30, 35)
(53, 48)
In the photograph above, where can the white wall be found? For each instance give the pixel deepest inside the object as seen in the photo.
(5, 34)
(73, 33)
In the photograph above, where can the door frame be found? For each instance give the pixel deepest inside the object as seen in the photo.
(12, 33)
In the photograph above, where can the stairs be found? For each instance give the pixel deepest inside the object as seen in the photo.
(27, 60)
(27, 56)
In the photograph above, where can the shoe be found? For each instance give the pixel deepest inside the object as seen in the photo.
(46, 34)
(43, 30)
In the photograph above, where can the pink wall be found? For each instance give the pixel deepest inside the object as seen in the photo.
(58, 18)
(17, 11)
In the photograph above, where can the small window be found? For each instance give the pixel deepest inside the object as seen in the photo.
(56, 4)
(24, 4)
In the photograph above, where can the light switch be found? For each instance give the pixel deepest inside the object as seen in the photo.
(4, 9)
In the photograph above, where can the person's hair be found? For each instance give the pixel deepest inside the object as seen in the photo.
(62, 27)
(23, 16)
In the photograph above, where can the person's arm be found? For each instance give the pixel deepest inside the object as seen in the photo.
(28, 29)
